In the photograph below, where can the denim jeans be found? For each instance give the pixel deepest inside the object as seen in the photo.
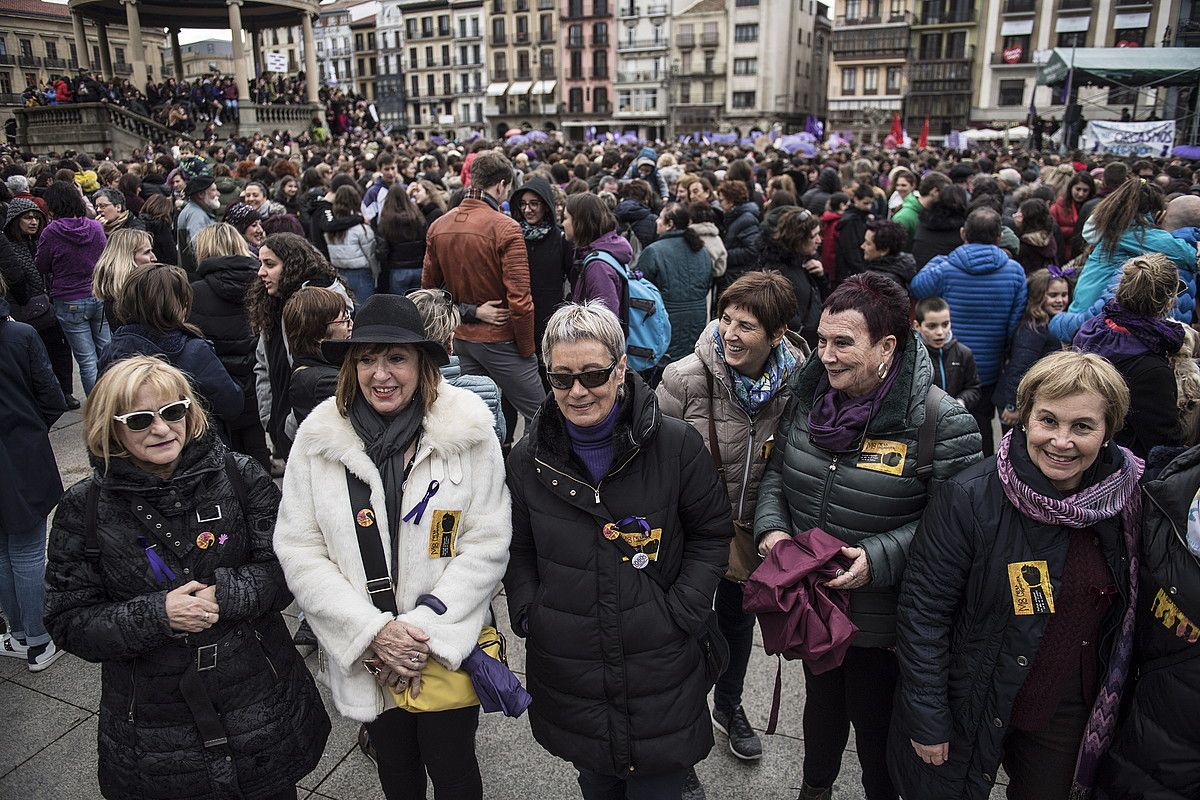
(361, 284)
(23, 583)
(403, 281)
(82, 322)
(663, 786)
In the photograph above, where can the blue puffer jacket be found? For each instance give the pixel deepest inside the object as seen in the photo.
(481, 385)
(1102, 272)
(986, 292)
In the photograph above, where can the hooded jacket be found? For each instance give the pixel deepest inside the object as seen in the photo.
(817, 197)
(595, 279)
(67, 251)
(1097, 283)
(478, 254)
(900, 267)
(806, 487)
(954, 371)
(964, 654)
(656, 180)
(613, 662)
(986, 291)
(683, 276)
(1153, 417)
(192, 219)
(112, 611)
(19, 265)
(711, 236)
(318, 548)
(1040, 249)
(1154, 753)
(550, 258)
(219, 309)
(909, 216)
(851, 233)
(745, 442)
(162, 235)
(192, 355)
(741, 235)
(634, 217)
(31, 402)
(938, 233)
(356, 250)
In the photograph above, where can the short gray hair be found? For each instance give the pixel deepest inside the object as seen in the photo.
(587, 321)
(114, 196)
(438, 312)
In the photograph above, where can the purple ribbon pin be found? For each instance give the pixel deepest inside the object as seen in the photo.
(414, 515)
(162, 573)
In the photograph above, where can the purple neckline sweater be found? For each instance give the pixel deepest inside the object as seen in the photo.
(600, 281)
(68, 249)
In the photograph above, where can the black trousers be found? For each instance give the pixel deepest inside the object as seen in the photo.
(737, 626)
(251, 440)
(859, 692)
(60, 356)
(1041, 764)
(984, 414)
(408, 747)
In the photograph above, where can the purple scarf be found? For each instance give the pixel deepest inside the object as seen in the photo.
(836, 422)
(1117, 494)
(1118, 332)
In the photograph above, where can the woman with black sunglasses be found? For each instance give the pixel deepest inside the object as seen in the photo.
(160, 568)
(620, 533)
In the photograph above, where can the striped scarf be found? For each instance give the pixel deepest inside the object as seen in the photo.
(1119, 493)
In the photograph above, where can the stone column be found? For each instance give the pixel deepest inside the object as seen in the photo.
(256, 52)
(239, 50)
(176, 54)
(106, 66)
(312, 78)
(137, 53)
(81, 43)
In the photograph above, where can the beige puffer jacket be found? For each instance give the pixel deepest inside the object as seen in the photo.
(745, 443)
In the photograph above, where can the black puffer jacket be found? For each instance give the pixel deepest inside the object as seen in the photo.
(219, 309)
(844, 495)
(614, 665)
(162, 235)
(963, 653)
(1156, 752)
(111, 611)
(17, 263)
(810, 289)
(741, 235)
(900, 267)
(550, 260)
(938, 233)
(817, 196)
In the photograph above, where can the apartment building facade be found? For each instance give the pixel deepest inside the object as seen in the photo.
(428, 42)
(523, 54)
(390, 88)
(699, 52)
(867, 78)
(587, 58)
(770, 47)
(366, 52)
(641, 78)
(1017, 36)
(467, 18)
(942, 65)
(334, 43)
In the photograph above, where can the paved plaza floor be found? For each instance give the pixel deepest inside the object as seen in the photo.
(48, 727)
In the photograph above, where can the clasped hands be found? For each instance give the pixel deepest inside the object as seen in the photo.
(401, 652)
(856, 576)
(192, 608)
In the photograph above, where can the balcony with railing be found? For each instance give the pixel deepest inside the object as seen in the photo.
(545, 37)
(499, 74)
(499, 38)
(935, 13)
(1074, 5)
(656, 10)
(903, 18)
(685, 40)
(122, 68)
(857, 43)
(602, 108)
(1025, 59)
(627, 45)
(547, 73)
(710, 39)
(54, 63)
(470, 35)
(600, 41)
(640, 76)
(521, 37)
(943, 76)
(575, 42)
(627, 11)
(600, 74)
(545, 5)
(28, 61)
(702, 71)
(7, 59)
(1020, 6)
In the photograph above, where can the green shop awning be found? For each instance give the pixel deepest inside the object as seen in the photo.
(1123, 66)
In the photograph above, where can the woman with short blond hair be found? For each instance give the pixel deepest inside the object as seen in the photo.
(160, 568)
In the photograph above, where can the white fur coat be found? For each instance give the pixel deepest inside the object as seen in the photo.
(317, 545)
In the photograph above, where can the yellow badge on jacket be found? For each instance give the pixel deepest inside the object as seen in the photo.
(883, 455)
(647, 542)
(1030, 585)
(443, 534)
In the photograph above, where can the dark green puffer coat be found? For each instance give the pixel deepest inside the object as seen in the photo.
(806, 487)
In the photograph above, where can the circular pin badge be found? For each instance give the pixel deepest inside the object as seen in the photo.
(640, 560)
(610, 532)
(365, 518)
(205, 540)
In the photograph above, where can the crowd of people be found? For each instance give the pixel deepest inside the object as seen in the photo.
(204, 104)
(931, 419)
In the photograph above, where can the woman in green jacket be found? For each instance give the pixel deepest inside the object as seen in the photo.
(846, 461)
(677, 263)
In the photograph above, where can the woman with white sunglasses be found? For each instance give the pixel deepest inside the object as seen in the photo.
(160, 567)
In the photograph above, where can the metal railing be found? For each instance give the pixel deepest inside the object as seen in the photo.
(641, 44)
(1021, 6)
(638, 76)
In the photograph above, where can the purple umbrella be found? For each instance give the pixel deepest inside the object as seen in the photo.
(1187, 151)
(497, 688)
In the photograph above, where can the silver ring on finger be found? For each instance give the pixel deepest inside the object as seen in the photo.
(415, 659)
(207, 615)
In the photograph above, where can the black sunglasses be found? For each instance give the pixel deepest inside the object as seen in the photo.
(590, 379)
(141, 420)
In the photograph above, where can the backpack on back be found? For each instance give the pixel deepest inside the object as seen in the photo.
(643, 315)
(635, 244)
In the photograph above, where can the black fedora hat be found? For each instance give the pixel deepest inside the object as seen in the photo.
(385, 319)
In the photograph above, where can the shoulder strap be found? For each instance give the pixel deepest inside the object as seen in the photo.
(379, 584)
(714, 444)
(927, 433)
(239, 485)
(91, 538)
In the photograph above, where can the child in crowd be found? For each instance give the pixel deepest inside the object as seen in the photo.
(953, 363)
(1049, 294)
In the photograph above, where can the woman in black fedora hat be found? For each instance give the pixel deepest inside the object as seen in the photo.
(396, 564)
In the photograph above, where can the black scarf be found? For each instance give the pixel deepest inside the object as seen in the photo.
(279, 371)
(387, 439)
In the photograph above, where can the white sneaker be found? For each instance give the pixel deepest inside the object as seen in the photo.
(42, 656)
(10, 647)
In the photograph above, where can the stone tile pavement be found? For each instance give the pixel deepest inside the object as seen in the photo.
(48, 725)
